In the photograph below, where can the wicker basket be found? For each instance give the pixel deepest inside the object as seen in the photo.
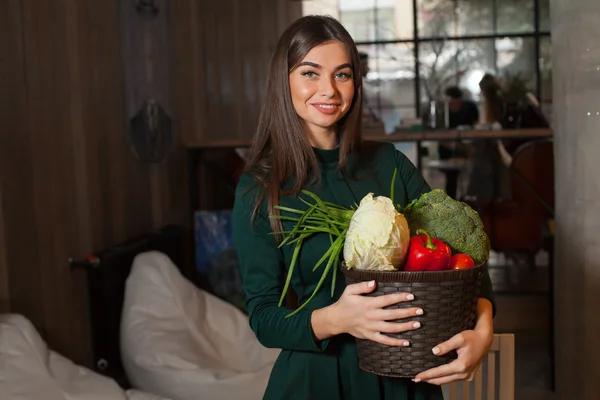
(449, 301)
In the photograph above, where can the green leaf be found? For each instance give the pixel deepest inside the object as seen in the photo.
(286, 218)
(337, 245)
(322, 259)
(311, 231)
(336, 258)
(392, 191)
(333, 205)
(291, 269)
(306, 214)
(334, 278)
(288, 209)
(317, 199)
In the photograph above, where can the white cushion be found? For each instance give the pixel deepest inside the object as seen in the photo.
(30, 370)
(184, 343)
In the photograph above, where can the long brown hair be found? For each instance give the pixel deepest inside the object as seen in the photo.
(281, 150)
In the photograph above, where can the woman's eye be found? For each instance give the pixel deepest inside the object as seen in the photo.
(308, 74)
(343, 76)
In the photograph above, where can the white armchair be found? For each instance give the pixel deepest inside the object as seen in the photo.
(30, 370)
(184, 343)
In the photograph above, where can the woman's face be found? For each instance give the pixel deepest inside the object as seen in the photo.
(322, 87)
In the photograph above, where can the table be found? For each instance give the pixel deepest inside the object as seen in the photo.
(457, 134)
(375, 134)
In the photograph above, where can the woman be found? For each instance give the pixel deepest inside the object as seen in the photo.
(488, 178)
(309, 137)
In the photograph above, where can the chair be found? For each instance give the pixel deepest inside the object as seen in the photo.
(183, 343)
(515, 224)
(495, 379)
(29, 369)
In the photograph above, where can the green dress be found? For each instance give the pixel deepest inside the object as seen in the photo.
(307, 369)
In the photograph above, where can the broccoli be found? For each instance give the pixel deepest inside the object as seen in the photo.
(452, 221)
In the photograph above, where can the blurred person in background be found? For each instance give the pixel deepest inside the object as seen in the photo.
(462, 113)
(488, 178)
(491, 159)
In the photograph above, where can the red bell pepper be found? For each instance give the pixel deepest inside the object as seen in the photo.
(427, 254)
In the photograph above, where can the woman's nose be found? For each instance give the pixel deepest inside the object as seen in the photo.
(327, 86)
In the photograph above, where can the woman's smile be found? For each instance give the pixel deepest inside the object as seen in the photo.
(327, 108)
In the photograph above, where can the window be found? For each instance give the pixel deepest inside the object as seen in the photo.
(455, 43)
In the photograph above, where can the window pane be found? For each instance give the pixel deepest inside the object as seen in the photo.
(516, 56)
(321, 7)
(394, 19)
(389, 87)
(358, 17)
(514, 16)
(436, 18)
(372, 20)
(438, 68)
(544, 15)
(476, 58)
(462, 63)
(385, 23)
(475, 17)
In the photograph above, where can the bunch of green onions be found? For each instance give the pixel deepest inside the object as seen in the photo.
(320, 217)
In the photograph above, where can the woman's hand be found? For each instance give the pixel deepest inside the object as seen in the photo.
(471, 347)
(365, 317)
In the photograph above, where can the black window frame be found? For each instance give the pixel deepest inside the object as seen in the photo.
(536, 34)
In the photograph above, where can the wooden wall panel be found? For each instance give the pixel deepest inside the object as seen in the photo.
(12, 143)
(4, 286)
(69, 182)
(230, 43)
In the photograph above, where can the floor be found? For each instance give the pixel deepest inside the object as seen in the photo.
(521, 293)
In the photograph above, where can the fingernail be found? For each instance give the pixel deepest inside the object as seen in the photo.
(410, 297)
(416, 380)
(419, 312)
(435, 350)
(417, 324)
(371, 284)
(405, 344)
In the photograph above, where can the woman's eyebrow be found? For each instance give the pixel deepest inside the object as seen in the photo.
(310, 64)
(315, 65)
(346, 65)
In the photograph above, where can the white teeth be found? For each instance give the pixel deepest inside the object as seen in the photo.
(326, 106)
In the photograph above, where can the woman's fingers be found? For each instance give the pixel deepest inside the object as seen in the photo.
(390, 299)
(455, 342)
(456, 367)
(447, 379)
(395, 327)
(396, 313)
(360, 288)
(389, 341)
